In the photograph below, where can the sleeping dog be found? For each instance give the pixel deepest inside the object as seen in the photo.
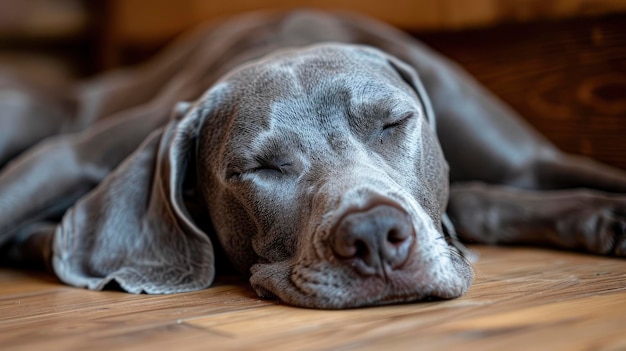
(327, 156)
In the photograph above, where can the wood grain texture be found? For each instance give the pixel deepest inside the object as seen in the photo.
(567, 78)
(522, 299)
(136, 21)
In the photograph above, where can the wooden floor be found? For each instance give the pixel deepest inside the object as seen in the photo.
(522, 299)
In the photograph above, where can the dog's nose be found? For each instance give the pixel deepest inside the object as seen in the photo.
(373, 240)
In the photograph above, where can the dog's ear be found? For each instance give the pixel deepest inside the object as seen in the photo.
(410, 76)
(134, 229)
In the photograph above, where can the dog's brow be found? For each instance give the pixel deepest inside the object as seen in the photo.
(363, 116)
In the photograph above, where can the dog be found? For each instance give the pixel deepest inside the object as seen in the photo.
(334, 160)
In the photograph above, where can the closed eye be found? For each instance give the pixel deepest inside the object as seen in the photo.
(262, 169)
(270, 167)
(399, 122)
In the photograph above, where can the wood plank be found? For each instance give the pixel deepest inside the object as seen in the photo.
(522, 298)
(566, 78)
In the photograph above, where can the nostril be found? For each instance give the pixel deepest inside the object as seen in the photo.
(352, 245)
(349, 246)
(361, 249)
(395, 250)
(396, 237)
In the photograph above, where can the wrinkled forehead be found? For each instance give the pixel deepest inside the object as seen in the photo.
(323, 84)
(309, 65)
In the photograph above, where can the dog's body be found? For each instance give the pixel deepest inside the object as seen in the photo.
(314, 161)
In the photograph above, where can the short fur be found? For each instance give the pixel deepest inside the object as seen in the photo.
(328, 156)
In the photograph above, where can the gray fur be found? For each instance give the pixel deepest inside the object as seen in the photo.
(305, 126)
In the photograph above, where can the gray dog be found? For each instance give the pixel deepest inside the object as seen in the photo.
(314, 163)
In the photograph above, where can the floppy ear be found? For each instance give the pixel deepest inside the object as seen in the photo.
(410, 76)
(134, 228)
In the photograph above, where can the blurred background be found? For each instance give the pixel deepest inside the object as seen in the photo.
(560, 63)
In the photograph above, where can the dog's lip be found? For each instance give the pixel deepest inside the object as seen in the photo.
(307, 290)
(375, 290)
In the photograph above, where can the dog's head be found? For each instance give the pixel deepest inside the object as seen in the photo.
(324, 179)
(321, 174)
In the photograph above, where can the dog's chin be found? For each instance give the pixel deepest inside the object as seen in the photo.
(327, 286)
